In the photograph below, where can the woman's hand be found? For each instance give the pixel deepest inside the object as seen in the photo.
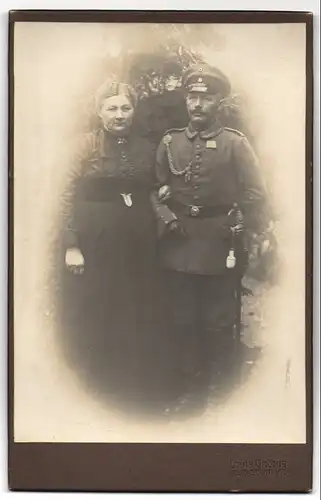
(74, 260)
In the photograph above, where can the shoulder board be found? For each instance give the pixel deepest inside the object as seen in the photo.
(238, 132)
(174, 130)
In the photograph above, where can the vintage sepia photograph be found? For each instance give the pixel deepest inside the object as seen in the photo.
(159, 232)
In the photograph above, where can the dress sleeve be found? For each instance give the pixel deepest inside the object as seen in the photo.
(77, 163)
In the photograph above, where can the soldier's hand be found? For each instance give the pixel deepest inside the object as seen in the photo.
(74, 260)
(176, 227)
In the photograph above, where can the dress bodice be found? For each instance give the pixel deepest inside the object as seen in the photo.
(126, 163)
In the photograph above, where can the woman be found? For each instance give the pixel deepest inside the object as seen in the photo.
(110, 250)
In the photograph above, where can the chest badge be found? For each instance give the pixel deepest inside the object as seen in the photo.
(210, 144)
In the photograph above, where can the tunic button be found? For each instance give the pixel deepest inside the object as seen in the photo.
(198, 146)
(196, 176)
(123, 155)
(195, 187)
(198, 157)
(196, 197)
(197, 167)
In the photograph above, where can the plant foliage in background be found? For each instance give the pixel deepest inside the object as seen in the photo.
(155, 73)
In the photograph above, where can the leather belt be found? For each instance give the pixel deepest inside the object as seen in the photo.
(199, 210)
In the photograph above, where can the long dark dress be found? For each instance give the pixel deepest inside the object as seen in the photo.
(115, 307)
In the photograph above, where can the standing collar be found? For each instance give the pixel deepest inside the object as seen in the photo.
(212, 131)
(107, 141)
(109, 136)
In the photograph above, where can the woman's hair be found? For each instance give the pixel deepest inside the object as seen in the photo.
(112, 88)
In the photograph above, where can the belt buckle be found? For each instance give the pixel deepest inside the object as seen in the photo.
(194, 210)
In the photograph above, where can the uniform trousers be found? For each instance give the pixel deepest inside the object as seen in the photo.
(203, 311)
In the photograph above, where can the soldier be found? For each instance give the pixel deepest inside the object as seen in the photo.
(209, 189)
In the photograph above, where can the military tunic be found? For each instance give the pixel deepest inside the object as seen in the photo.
(220, 169)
